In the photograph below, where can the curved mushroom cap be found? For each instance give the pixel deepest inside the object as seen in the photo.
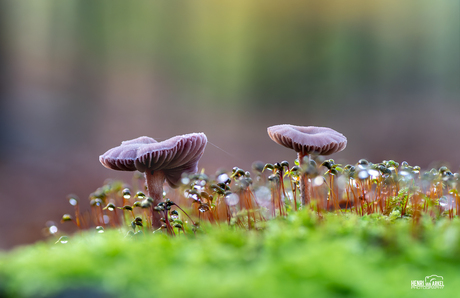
(173, 156)
(308, 139)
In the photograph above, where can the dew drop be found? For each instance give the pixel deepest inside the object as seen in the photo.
(53, 229)
(198, 187)
(185, 180)
(342, 182)
(100, 229)
(374, 174)
(232, 199)
(363, 175)
(447, 202)
(63, 240)
(193, 197)
(263, 195)
(405, 175)
(362, 166)
(443, 202)
(222, 178)
(318, 181)
(73, 202)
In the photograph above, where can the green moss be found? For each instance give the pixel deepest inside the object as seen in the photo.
(298, 256)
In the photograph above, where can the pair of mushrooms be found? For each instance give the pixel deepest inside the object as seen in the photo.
(167, 160)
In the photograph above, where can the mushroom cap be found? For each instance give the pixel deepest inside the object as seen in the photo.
(173, 156)
(308, 139)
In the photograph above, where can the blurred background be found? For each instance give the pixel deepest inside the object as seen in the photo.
(77, 77)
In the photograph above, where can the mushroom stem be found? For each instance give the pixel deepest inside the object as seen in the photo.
(304, 186)
(155, 181)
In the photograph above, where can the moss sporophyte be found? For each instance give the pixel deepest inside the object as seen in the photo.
(237, 199)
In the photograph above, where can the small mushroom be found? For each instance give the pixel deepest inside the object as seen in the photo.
(159, 161)
(307, 140)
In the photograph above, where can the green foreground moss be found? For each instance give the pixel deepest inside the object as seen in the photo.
(299, 256)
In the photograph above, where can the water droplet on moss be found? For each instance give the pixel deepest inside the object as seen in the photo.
(63, 240)
(66, 217)
(53, 229)
(318, 181)
(363, 175)
(140, 195)
(362, 167)
(232, 199)
(374, 174)
(126, 194)
(222, 178)
(405, 176)
(263, 195)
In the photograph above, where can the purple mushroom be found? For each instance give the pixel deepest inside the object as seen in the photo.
(307, 140)
(159, 161)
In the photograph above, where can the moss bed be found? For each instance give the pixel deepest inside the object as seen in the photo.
(341, 255)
